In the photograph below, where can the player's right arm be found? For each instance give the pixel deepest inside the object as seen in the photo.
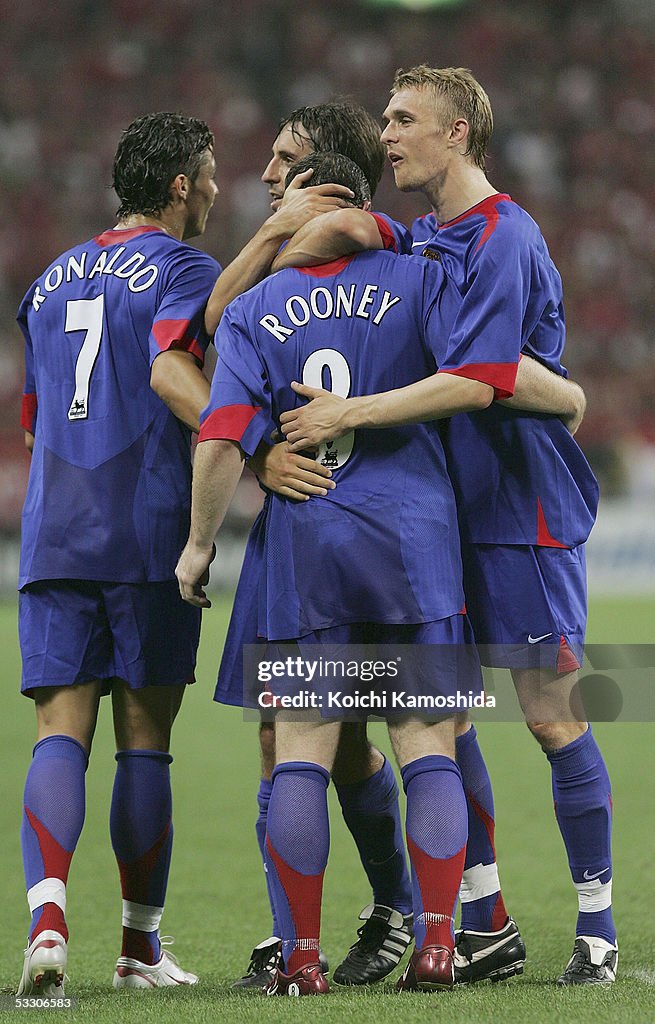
(217, 468)
(29, 404)
(253, 263)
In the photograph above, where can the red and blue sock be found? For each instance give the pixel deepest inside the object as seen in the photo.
(371, 812)
(263, 801)
(436, 840)
(53, 816)
(483, 908)
(297, 845)
(583, 807)
(142, 838)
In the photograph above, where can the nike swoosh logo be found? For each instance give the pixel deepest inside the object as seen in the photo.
(596, 874)
(535, 639)
(416, 244)
(379, 863)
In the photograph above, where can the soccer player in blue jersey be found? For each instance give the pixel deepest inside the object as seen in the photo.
(351, 563)
(363, 778)
(114, 346)
(526, 502)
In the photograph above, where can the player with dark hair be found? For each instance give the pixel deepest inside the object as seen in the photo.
(373, 318)
(337, 127)
(364, 779)
(526, 501)
(114, 347)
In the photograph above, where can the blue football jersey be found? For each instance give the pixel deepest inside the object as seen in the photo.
(519, 478)
(383, 546)
(396, 237)
(109, 487)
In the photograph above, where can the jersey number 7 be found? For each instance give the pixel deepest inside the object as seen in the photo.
(84, 315)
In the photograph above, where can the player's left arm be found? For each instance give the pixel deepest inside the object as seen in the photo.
(253, 263)
(217, 468)
(237, 416)
(538, 389)
(329, 236)
(178, 339)
(232, 425)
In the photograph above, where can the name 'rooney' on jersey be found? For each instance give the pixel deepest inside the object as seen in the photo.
(355, 300)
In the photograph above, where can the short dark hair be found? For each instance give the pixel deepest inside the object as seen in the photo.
(151, 152)
(341, 127)
(333, 168)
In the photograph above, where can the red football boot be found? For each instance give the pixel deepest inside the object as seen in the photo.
(428, 970)
(307, 981)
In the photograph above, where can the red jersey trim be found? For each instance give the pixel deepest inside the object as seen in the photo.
(566, 659)
(227, 424)
(327, 269)
(386, 234)
(500, 376)
(173, 334)
(28, 407)
(115, 235)
(544, 537)
(487, 207)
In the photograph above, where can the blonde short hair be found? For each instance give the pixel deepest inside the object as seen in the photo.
(462, 96)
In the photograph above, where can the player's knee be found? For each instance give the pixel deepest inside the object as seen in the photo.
(143, 718)
(267, 748)
(462, 723)
(555, 735)
(356, 759)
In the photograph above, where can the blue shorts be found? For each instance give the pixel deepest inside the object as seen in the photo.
(527, 605)
(77, 631)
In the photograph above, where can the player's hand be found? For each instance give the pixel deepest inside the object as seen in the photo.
(302, 204)
(192, 573)
(322, 419)
(291, 475)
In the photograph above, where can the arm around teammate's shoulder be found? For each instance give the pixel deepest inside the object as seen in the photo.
(340, 233)
(253, 263)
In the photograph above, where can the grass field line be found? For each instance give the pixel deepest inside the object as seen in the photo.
(643, 975)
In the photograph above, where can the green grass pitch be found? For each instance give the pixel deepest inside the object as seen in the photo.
(217, 906)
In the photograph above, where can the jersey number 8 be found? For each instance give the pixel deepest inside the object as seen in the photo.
(332, 454)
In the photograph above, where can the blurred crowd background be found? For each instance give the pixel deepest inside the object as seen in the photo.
(572, 85)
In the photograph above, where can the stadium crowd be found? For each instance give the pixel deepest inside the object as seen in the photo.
(574, 101)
